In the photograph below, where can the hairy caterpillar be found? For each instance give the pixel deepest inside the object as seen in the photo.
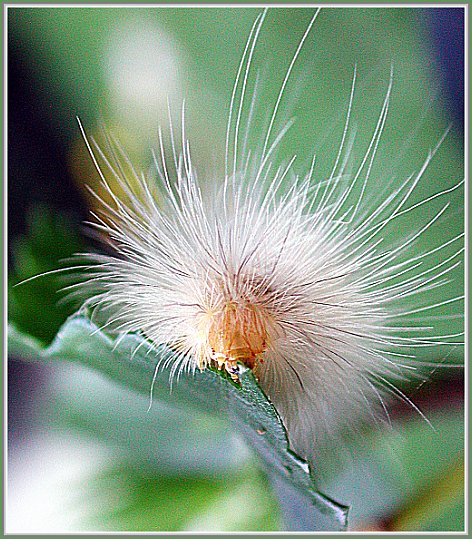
(287, 274)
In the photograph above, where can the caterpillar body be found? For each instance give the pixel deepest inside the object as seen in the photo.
(287, 274)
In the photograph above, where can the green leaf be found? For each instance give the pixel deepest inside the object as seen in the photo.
(410, 477)
(166, 439)
(34, 305)
(437, 507)
(237, 501)
(132, 362)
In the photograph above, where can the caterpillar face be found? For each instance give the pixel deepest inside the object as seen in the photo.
(238, 333)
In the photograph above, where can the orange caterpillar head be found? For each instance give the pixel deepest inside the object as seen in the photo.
(238, 332)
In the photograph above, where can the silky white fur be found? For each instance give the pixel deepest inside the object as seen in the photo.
(308, 251)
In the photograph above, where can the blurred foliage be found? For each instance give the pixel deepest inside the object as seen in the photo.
(388, 471)
(238, 501)
(439, 506)
(132, 362)
(390, 479)
(409, 478)
(122, 65)
(35, 305)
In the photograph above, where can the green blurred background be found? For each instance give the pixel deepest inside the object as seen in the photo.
(76, 434)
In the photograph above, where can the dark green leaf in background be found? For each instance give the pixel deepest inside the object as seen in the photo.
(36, 306)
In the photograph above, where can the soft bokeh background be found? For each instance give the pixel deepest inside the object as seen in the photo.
(83, 453)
